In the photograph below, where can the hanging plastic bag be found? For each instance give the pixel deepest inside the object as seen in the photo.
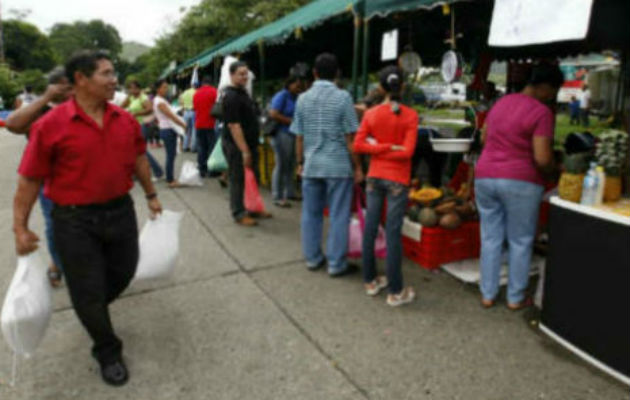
(216, 161)
(159, 246)
(253, 200)
(27, 306)
(356, 229)
(190, 174)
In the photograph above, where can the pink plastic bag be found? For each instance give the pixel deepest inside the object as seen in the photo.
(253, 200)
(357, 226)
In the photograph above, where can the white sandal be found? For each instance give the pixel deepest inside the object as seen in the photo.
(407, 295)
(374, 287)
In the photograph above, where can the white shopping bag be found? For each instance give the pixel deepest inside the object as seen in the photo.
(189, 174)
(159, 246)
(27, 306)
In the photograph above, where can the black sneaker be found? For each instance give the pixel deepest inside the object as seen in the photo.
(115, 373)
(350, 269)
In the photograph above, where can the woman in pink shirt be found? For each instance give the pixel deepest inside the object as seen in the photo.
(518, 149)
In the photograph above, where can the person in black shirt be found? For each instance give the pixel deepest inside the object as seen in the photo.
(240, 140)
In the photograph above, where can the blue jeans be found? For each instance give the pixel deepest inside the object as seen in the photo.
(190, 139)
(337, 194)
(396, 194)
(170, 145)
(155, 166)
(47, 206)
(282, 185)
(206, 139)
(508, 209)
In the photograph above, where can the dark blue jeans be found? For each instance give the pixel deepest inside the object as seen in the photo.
(47, 206)
(396, 194)
(155, 166)
(206, 139)
(170, 145)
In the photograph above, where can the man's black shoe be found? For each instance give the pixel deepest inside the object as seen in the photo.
(115, 373)
(350, 269)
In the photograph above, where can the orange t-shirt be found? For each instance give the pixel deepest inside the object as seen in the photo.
(381, 129)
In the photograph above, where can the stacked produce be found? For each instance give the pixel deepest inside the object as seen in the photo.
(441, 207)
(570, 185)
(612, 154)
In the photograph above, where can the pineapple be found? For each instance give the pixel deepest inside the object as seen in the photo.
(612, 153)
(570, 186)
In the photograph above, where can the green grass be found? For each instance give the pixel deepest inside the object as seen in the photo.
(564, 128)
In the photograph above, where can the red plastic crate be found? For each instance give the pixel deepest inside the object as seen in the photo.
(438, 246)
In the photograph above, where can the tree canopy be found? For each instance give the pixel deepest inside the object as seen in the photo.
(95, 34)
(208, 23)
(26, 47)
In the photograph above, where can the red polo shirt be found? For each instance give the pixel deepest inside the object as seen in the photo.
(80, 162)
(203, 100)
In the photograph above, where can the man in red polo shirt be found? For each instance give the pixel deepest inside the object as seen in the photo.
(87, 151)
(203, 100)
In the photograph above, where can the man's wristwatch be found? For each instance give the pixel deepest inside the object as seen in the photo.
(151, 196)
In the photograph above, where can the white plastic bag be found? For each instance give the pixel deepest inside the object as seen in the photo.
(159, 246)
(27, 306)
(189, 174)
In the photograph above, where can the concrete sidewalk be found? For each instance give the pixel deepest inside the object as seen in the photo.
(244, 319)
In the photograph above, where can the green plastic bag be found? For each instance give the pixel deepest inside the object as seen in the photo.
(216, 161)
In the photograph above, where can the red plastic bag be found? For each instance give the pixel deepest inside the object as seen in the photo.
(253, 200)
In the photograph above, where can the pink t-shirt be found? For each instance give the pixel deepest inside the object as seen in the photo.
(511, 125)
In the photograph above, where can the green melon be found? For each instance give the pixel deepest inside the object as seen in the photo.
(414, 213)
(428, 217)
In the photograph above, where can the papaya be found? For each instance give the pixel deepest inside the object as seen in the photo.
(465, 210)
(450, 221)
(428, 217)
(425, 195)
(446, 207)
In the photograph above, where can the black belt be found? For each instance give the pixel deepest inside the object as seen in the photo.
(108, 205)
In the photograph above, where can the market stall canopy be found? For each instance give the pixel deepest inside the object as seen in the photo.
(168, 70)
(204, 58)
(312, 14)
(383, 8)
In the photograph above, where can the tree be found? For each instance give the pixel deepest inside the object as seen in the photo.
(34, 78)
(9, 87)
(211, 22)
(96, 35)
(26, 47)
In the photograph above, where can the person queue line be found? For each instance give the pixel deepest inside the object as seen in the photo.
(83, 153)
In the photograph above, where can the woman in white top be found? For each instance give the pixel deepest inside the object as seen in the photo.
(167, 120)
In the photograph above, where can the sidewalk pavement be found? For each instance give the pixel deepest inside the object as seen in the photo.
(243, 319)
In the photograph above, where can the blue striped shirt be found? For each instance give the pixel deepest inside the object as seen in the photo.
(324, 115)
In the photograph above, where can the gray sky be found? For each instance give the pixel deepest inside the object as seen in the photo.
(136, 20)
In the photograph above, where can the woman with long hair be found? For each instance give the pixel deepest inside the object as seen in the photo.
(167, 120)
(388, 133)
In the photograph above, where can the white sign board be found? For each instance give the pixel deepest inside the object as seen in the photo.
(527, 22)
(389, 48)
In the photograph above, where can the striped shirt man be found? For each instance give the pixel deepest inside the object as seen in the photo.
(324, 115)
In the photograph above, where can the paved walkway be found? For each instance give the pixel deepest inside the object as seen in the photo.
(243, 319)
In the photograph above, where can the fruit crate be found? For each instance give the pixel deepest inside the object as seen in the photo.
(439, 246)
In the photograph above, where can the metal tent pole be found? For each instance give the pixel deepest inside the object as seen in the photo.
(355, 57)
(366, 53)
